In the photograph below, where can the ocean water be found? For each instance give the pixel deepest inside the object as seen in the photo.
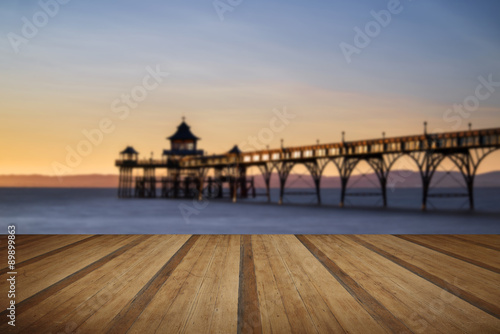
(96, 211)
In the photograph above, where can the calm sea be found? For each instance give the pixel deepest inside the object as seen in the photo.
(92, 211)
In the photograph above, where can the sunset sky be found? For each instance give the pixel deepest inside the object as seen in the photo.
(229, 67)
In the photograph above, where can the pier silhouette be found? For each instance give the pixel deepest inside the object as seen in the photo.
(187, 166)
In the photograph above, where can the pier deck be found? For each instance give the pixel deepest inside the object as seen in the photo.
(255, 283)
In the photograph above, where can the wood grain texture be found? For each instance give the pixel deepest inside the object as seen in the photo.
(255, 284)
(127, 316)
(249, 320)
(475, 285)
(410, 298)
(484, 240)
(382, 316)
(474, 254)
(43, 249)
(79, 300)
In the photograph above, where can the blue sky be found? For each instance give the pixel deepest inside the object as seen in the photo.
(230, 74)
(448, 42)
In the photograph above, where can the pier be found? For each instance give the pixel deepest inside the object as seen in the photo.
(187, 167)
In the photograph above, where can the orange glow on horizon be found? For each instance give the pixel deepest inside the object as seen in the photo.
(38, 133)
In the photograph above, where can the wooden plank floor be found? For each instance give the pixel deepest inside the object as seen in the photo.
(254, 284)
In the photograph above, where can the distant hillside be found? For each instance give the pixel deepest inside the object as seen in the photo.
(74, 181)
(491, 179)
(397, 179)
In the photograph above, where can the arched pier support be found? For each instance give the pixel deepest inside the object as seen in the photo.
(427, 162)
(284, 169)
(381, 165)
(267, 170)
(467, 163)
(316, 168)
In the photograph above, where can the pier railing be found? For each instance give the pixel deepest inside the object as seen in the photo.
(408, 144)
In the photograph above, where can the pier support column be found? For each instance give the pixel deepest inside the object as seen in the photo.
(176, 186)
(252, 185)
(282, 191)
(268, 189)
(234, 189)
(242, 180)
(345, 166)
(219, 181)
(284, 169)
(209, 187)
(148, 188)
(318, 189)
(120, 183)
(470, 191)
(186, 187)
(220, 188)
(465, 164)
(427, 163)
(266, 171)
(164, 188)
(125, 182)
(381, 165)
(425, 192)
(343, 184)
(200, 189)
(316, 169)
(383, 184)
(201, 181)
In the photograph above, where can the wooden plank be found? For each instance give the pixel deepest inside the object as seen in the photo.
(201, 310)
(274, 318)
(249, 320)
(418, 303)
(128, 315)
(154, 312)
(323, 318)
(178, 290)
(204, 302)
(177, 315)
(491, 241)
(380, 319)
(31, 237)
(225, 315)
(473, 284)
(482, 257)
(23, 239)
(298, 315)
(26, 251)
